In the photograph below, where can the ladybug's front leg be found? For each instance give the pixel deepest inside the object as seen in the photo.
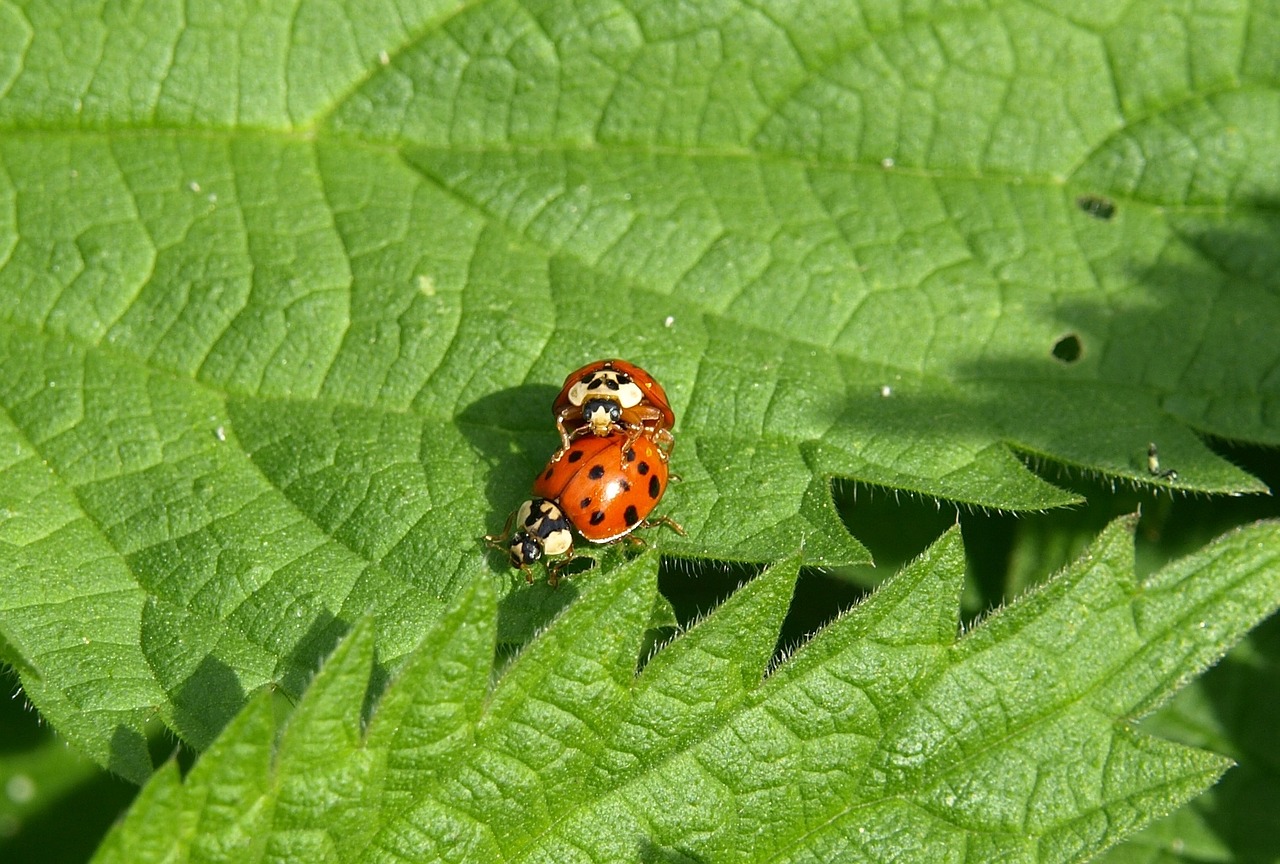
(499, 541)
(628, 448)
(566, 437)
(636, 421)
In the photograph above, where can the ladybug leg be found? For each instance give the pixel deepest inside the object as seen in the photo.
(566, 438)
(565, 435)
(634, 421)
(675, 526)
(641, 419)
(553, 570)
(638, 542)
(665, 442)
(633, 435)
(499, 540)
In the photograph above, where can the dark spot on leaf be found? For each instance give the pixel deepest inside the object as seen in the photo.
(1068, 349)
(1097, 206)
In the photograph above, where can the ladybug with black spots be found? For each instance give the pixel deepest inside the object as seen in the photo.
(607, 487)
(610, 396)
(541, 530)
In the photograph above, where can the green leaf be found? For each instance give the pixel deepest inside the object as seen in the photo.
(1232, 710)
(286, 290)
(887, 736)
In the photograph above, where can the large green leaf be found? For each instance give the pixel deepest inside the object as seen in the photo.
(286, 289)
(887, 737)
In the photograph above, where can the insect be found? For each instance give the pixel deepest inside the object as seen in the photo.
(1153, 464)
(607, 486)
(541, 531)
(610, 396)
(1097, 206)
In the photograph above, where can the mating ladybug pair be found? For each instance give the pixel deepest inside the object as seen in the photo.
(609, 473)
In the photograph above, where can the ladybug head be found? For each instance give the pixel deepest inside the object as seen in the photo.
(602, 415)
(524, 549)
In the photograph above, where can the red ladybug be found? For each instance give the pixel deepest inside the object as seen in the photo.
(607, 486)
(540, 531)
(610, 396)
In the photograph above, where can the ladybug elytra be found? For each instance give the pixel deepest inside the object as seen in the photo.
(606, 486)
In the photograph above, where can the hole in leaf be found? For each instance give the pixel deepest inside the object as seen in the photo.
(1068, 349)
(1097, 206)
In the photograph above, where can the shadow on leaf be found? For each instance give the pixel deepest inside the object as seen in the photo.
(652, 853)
(513, 432)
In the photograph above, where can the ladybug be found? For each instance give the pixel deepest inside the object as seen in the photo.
(541, 530)
(610, 396)
(607, 486)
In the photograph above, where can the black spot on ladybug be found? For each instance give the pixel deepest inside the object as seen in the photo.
(584, 503)
(631, 516)
(597, 517)
(532, 519)
(630, 455)
(596, 472)
(611, 384)
(624, 486)
(575, 455)
(655, 488)
(643, 468)
(550, 471)
(623, 378)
